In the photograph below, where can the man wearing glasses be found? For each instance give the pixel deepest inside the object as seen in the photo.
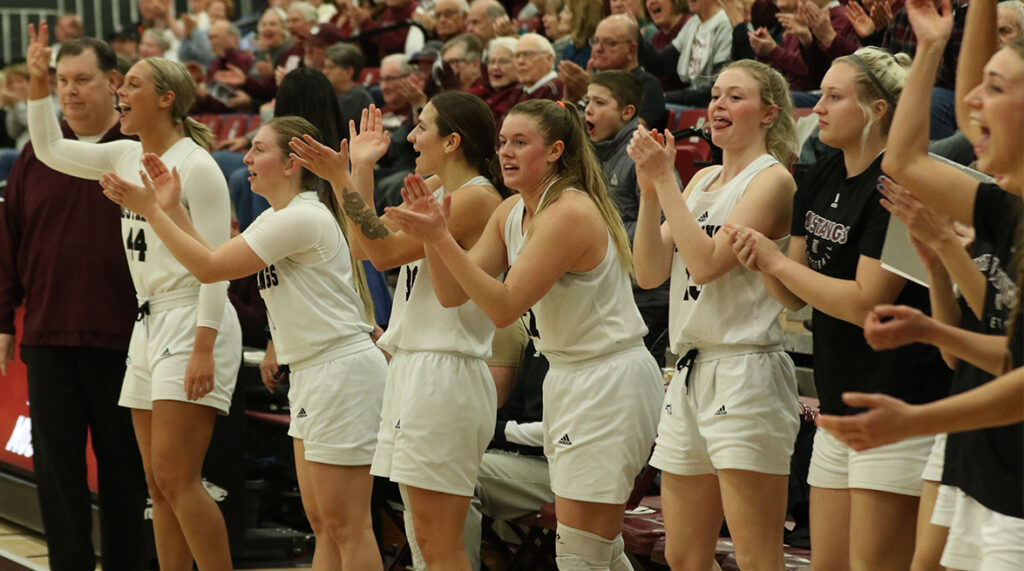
(535, 66)
(614, 47)
(461, 57)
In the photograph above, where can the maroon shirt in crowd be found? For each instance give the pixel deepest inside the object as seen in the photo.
(392, 42)
(232, 56)
(61, 253)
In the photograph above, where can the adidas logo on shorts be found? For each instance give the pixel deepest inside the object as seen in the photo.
(702, 217)
(301, 413)
(668, 408)
(398, 424)
(166, 353)
(720, 411)
(564, 440)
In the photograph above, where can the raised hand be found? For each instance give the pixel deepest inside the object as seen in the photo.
(931, 25)
(654, 155)
(320, 159)
(861, 22)
(38, 56)
(891, 326)
(166, 183)
(370, 143)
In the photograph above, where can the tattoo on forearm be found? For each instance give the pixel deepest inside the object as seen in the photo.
(358, 211)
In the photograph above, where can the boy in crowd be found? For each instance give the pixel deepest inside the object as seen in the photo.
(613, 98)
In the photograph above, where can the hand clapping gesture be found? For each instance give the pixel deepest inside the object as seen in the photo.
(320, 159)
(421, 216)
(818, 21)
(161, 188)
(370, 143)
(655, 159)
(860, 20)
(928, 230)
(753, 249)
(761, 42)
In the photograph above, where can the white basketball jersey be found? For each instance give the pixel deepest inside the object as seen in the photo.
(735, 308)
(153, 268)
(312, 303)
(584, 314)
(420, 323)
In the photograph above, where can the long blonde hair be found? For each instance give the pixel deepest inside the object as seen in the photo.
(780, 140)
(577, 167)
(171, 76)
(880, 75)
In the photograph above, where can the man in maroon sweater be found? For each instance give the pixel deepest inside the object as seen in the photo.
(61, 254)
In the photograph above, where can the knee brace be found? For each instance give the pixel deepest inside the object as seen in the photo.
(578, 550)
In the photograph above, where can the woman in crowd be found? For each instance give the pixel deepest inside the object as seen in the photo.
(319, 322)
(863, 504)
(586, 15)
(565, 251)
(184, 351)
(712, 447)
(437, 353)
(501, 71)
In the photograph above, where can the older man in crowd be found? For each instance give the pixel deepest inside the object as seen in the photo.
(61, 254)
(535, 66)
(481, 18)
(615, 48)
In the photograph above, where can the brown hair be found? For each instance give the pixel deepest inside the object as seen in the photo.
(469, 117)
(577, 167)
(780, 140)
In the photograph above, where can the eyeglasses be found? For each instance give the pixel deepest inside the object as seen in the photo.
(455, 60)
(500, 61)
(447, 14)
(524, 55)
(390, 78)
(603, 43)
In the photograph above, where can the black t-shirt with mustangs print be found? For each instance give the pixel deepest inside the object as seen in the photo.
(842, 219)
(988, 465)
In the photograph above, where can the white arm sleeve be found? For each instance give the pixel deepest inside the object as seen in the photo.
(280, 234)
(527, 434)
(76, 158)
(205, 194)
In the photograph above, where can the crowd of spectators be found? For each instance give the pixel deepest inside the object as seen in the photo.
(624, 62)
(398, 53)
